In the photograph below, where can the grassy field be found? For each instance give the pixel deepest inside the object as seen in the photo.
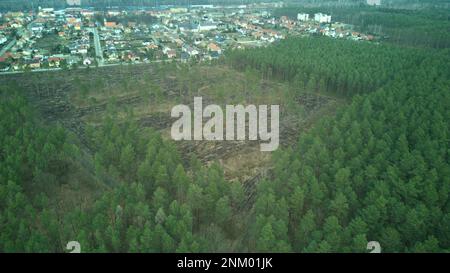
(49, 42)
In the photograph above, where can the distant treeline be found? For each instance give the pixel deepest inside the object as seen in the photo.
(385, 3)
(31, 4)
(27, 5)
(426, 28)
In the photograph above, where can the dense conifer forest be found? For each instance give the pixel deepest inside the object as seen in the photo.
(378, 169)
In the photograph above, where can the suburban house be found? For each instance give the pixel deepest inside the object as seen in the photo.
(54, 61)
(171, 54)
(34, 64)
(110, 24)
(212, 47)
(87, 62)
(207, 26)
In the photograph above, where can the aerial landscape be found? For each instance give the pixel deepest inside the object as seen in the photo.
(225, 126)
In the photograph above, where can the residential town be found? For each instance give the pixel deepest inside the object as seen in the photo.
(82, 37)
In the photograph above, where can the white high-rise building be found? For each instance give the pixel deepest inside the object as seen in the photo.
(373, 2)
(322, 18)
(303, 17)
(74, 2)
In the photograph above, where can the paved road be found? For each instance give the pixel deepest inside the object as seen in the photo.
(8, 46)
(98, 46)
(83, 67)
